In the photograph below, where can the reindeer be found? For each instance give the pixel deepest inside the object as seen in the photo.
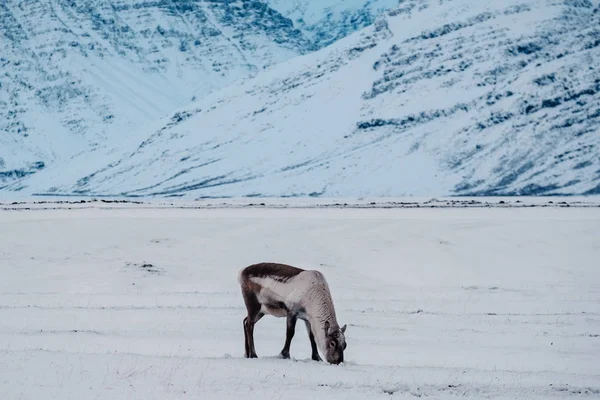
(285, 291)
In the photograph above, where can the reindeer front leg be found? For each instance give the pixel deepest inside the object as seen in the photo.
(315, 352)
(291, 329)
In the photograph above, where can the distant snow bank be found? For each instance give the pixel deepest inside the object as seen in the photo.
(64, 202)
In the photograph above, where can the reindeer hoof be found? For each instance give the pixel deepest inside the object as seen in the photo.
(316, 357)
(284, 355)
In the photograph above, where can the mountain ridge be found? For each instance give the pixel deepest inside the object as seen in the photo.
(454, 98)
(76, 76)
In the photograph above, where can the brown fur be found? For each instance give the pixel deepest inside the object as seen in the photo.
(280, 272)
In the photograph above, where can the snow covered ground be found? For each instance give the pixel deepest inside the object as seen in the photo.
(143, 303)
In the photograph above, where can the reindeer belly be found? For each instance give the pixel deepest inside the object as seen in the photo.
(278, 298)
(271, 304)
(276, 310)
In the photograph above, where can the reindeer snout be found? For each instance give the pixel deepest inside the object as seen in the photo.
(337, 359)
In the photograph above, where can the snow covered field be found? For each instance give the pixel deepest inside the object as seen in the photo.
(143, 303)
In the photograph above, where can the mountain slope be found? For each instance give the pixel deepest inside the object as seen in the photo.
(459, 97)
(75, 75)
(324, 22)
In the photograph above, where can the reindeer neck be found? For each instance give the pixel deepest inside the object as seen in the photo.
(319, 310)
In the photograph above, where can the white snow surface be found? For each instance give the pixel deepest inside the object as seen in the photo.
(435, 98)
(143, 303)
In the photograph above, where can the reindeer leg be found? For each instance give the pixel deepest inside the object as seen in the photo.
(315, 352)
(291, 328)
(251, 324)
(254, 315)
(246, 347)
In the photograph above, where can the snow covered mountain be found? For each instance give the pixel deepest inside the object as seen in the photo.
(324, 22)
(454, 97)
(78, 75)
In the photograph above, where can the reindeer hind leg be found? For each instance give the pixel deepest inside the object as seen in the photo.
(254, 315)
(251, 324)
(246, 347)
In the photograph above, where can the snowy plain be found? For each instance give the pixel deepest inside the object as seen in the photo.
(126, 301)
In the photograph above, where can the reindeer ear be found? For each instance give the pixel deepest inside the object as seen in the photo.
(344, 328)
(326, 327)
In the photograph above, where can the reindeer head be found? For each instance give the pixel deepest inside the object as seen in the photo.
(335, 343)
